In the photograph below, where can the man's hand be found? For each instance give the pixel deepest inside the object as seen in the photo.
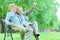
(34, 4)
(24, 25)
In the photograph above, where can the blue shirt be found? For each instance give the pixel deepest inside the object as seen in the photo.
(15, 18)
(23, 19)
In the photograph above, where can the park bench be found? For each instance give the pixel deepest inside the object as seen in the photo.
(8, 29)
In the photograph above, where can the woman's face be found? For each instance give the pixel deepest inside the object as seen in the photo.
(13, 8)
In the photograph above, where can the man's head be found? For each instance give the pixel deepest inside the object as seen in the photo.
(12, 7)
(19, 10)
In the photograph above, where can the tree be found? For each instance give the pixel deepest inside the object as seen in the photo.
(44, 14)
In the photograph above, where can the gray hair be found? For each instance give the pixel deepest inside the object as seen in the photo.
(11, 5)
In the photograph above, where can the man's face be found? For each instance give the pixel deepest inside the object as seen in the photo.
(13, 8)
(19, 10)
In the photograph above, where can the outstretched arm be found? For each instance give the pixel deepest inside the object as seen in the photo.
(29, 11)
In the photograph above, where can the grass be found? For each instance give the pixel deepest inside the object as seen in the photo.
(44, 36)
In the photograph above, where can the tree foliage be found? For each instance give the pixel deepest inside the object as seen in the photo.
(44, 14)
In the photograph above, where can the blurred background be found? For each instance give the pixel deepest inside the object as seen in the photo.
(47, 13)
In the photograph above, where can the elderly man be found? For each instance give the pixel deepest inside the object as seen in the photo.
(22, 16)
(13, 20)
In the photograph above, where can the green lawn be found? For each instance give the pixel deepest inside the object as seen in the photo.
(44, 36)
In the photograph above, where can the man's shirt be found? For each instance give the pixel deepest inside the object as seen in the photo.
(23, 19)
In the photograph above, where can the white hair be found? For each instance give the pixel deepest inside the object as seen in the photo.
(11, 5)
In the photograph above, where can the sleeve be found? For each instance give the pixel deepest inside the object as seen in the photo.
(8, 16)
(29, 11)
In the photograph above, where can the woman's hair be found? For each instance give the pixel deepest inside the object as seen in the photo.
(11, 5)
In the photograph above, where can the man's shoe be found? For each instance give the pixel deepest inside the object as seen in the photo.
(37, 34)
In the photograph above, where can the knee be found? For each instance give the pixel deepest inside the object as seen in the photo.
(31, 29)
(23, 30)
(35, 22)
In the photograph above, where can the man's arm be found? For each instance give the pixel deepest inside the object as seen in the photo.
(28, 12)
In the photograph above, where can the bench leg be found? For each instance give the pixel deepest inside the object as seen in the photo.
(5, 36)
(11, 35)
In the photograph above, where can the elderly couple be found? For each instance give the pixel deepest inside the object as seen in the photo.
(17, 19)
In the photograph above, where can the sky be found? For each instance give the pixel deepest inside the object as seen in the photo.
(58, 11)
(58, 1)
